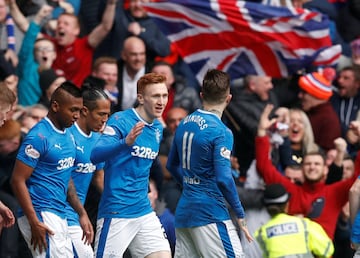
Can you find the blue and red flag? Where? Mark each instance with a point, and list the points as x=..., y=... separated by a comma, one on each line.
x=245, y=38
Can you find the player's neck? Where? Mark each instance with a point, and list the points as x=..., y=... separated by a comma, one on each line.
x=216, y=109
x=143, y=114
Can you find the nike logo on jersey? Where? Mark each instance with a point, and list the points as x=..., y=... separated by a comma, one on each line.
x=58, y=146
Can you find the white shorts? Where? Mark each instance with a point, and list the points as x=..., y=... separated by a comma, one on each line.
x=212, y=240
x=80, y=249
x=143, y=236
x=59, y=244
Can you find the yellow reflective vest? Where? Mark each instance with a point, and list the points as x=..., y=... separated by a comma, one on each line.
x=285, y=236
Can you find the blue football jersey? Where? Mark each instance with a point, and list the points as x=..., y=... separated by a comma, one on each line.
x=201, y=153
x=51, y=152
x=126, y=167
x=83, y=169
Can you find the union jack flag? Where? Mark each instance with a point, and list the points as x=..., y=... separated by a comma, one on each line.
x=245, y=38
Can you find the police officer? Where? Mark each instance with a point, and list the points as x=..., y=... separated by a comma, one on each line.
x=289, y=236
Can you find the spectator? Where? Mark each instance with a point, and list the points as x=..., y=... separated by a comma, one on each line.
x=8, y=42
x=7, y=101
x=243, y=115
x=33, y=114
x=284, y=235
x=106, y=68
x=313, y=199
x=74, y=55
x=133, y=22
x=180, y=95
x=170, y=190
x=131, y=67
x=315, y=95
x=34, y=56
x=301, y=135
x=346, y=100
x=342, y=237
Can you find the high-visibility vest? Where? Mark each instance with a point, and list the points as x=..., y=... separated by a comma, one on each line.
x=285, y=236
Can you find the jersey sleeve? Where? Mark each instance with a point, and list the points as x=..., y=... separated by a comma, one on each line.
x=173, y=163
x=109, y=144
x=32, y=148
x=224, y=179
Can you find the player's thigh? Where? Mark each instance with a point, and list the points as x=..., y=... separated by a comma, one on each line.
x=113, y=236
x=185, y=247
x=217, y=240
x=150, y=239
x=80, y=248
x=59, y=244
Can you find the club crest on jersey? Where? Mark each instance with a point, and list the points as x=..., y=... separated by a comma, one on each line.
x=31, y=152
x=157, y=135
x=224, y=152
x=109, y=130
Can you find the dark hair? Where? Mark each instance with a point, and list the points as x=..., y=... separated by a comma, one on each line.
x=216, y=86
x=91, y=94
x=275, y=209
x=68, y=87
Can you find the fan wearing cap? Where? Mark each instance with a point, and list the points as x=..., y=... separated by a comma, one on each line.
x=315, y=93
x=285, y=235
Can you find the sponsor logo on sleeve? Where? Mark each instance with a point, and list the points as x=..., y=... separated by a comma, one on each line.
x=31, y=152
x=224, y=152
x=109, y=130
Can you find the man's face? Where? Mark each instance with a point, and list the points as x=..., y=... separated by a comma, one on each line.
x=134, y=56
x=97, y=118
x=45, y=53
x=67, y=30
x=155, y=98
x=307, y=101
x=348, y=87
x=69, y=110
x=166, y=71
x=107, y=72
x=314, y=168
x=262, y=86
x=348, y=168
x=136, y=8
x=295, y=175
x=174, y=117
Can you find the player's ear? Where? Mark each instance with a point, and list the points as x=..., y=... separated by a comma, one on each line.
x=228, y=98
x=55, y=106
x=140, y=98
x=84, y=110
